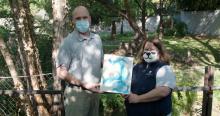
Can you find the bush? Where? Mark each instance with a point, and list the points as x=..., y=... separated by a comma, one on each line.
x=179, y=29
x=112, y=104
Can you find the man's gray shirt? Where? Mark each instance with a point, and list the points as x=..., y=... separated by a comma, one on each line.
x=82, y=56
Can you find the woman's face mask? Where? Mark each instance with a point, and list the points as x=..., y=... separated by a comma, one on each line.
x=150, y=56
x=82, y=25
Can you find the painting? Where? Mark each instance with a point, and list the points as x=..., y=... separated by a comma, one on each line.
x=116, y=74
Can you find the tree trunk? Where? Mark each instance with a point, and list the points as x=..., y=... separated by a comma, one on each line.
x=131, y=47
x=143, y=16
x=59, y=17
x=113, y=33
x=122, y=26
x=26, y=39
x=161, y=20
x=17, y=82
x=132, y=22
x=47, y=99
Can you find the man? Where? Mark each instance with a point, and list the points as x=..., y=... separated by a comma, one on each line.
x=79, y=64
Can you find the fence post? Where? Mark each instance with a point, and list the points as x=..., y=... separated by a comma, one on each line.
x=208, y=92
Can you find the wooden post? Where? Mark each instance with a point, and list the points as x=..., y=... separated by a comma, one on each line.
x=208, y=92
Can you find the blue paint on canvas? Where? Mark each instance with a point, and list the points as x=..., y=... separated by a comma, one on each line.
x=117, y=75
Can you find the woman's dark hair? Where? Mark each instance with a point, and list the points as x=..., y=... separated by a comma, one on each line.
x=164, y=56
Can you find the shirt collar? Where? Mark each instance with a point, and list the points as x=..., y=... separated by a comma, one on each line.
x=81, y=38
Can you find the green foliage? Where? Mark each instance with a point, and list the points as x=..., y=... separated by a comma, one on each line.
x=12, y=106
x=151, y=8
x=179, y=29
x=44, y=45
x=119, y=37
x=198, y=5
x=183, y=101
x=111, y=45
x=4, y=9
x=36, y=5
x=112, y=104
x=4, y=33
x=97, y=11
x=4, y=69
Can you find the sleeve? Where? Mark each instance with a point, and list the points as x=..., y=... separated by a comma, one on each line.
x=166, y=77
x=64, y=56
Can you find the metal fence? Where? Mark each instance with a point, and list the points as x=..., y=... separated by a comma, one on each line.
x=12, y=105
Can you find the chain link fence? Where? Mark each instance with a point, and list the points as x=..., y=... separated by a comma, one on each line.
x=12, y=105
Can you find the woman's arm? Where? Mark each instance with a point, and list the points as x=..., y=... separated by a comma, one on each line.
x=153, y=95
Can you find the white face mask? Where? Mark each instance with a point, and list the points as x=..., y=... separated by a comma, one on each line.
x=150, y=56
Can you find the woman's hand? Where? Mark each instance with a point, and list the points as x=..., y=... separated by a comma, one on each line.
x=125, y=96
x=133, y=98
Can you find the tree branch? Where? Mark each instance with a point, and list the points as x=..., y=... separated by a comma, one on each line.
x=138, y=3
x=132, y=22
x=113, y=8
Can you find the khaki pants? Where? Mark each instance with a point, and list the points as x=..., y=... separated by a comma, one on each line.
x=79, y=102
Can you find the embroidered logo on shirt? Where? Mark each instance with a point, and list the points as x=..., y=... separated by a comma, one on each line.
x=148, y=73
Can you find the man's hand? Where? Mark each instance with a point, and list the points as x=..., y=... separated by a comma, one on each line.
x=94, y=87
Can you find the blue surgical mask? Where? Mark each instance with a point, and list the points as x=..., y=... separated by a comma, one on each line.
x=82, y=25
x=150, y=56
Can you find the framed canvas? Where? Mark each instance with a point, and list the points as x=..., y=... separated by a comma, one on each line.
x=116, y=74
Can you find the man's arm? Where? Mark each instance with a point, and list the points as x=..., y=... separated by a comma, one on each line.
x=63, y=74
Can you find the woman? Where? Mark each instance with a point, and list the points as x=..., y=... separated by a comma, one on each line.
x=152, y=82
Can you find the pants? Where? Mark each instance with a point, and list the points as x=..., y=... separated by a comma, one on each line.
x=79, y=102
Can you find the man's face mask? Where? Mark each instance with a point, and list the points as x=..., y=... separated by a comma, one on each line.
x=150, y=56
x=82, y=25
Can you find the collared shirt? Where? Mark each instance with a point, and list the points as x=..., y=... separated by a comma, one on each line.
x=82, y=56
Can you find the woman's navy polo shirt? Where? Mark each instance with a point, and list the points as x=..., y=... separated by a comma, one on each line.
x=143, y=81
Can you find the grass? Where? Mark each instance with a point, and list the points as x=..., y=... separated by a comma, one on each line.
x=200, y=51
x=217, y=83
x=204, y=51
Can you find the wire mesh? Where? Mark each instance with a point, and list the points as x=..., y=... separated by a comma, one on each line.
x=12, y=106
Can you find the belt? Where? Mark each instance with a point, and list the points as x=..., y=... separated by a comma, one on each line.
x=78, y=86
